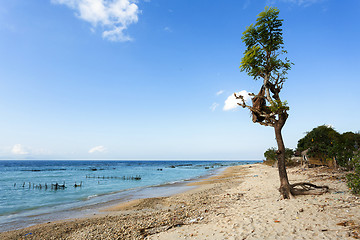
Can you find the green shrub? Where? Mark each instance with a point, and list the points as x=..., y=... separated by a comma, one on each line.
x=353, y=179
x=271, y=157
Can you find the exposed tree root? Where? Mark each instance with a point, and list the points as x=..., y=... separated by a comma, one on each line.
x=304, y=188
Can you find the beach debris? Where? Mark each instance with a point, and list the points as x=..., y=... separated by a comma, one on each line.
x=352, y=227
x=346, y=223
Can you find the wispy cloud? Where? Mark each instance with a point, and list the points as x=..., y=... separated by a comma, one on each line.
x=167, y=29
x=99, y=149
x=114, y=16
x=19, y=149
x=231, y=102
x=214, y=106
x=246, y=4
x=219, y=92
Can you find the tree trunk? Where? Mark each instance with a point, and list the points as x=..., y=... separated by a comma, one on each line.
x=284, y=182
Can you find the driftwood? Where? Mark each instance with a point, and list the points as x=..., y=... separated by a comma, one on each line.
x=307, y=189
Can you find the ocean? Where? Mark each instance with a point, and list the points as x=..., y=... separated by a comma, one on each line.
x=37, y=191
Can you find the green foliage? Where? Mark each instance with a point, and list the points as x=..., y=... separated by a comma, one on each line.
x=271, y=155
x=320, y=142
x=345, y=148
x=324, y=142
x=278, y=106
x=353, y=179
x=264, y=44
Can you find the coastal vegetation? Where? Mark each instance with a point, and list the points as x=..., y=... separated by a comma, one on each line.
x=271, y=156
x=353, y=179
x=327, y=144
x=263, y=60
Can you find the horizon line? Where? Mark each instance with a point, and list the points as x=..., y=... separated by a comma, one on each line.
x=83, y=159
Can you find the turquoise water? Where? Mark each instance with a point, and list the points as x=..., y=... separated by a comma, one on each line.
x=28, y=194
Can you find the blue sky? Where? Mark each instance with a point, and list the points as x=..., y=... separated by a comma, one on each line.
x=121, y=79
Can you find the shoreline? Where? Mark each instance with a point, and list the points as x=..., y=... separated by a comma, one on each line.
x=96, y=205
x=188, y=185
x=242, y=202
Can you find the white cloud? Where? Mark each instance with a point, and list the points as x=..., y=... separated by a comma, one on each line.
x=214, y=106
x=114, y=16
x=18, y=149
x=97, y=149
x=231, y=102
x=219, y=92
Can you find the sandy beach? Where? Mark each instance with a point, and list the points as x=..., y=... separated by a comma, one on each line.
x=241, y=203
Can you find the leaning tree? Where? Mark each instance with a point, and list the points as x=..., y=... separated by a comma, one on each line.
x=263, y=60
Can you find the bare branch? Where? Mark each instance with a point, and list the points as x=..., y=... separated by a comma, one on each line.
x=267, y=124
x=267, y=95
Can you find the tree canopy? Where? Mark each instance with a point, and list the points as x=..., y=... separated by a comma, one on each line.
x=320, y=141
x=264, y=44
x=263, y=60
x=325, y=142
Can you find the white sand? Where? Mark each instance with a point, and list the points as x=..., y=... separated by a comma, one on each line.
x=253, y=210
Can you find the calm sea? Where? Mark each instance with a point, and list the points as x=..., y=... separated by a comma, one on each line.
x=38, y=191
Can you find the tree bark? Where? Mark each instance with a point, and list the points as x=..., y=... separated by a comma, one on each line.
x=285, y=189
